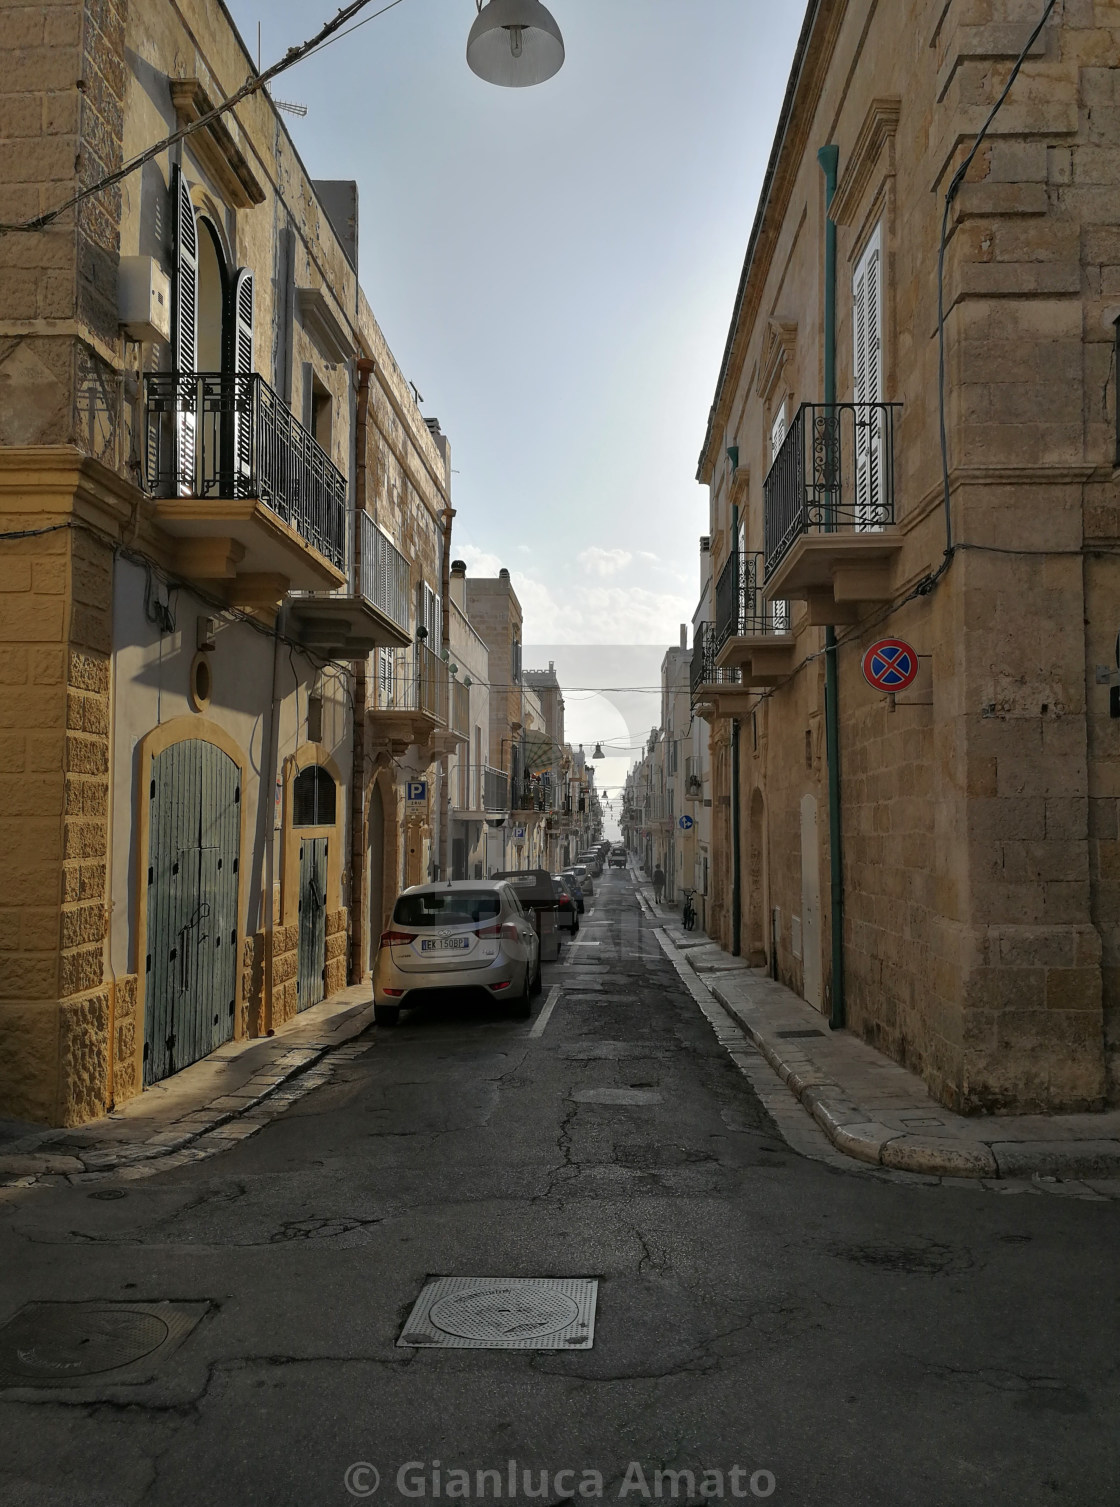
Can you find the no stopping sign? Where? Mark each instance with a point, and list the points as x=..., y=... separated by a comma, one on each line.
x=890, y=665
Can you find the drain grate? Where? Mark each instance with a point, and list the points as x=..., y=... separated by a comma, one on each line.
x=799, y=1035
x=504, y=1313
x=65, y=1344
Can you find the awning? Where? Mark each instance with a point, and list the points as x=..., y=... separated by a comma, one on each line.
x=541, y=753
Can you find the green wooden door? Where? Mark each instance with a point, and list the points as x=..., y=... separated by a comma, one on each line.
x=194, y=842
x=310, y=985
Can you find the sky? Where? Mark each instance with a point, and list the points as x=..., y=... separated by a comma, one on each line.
x=555, y=268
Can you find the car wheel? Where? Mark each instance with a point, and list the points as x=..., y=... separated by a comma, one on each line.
x=386, y=1015
x=538, y=983
x=575, y=926
x=522, y=1004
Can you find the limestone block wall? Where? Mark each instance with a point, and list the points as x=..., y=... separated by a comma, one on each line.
x=54, y=778
x=980, y=823
x=336, y=951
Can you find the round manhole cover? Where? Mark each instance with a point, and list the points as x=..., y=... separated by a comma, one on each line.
x=504, y=1313
x=47, y=1344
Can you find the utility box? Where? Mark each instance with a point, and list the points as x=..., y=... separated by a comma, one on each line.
x=144, y=298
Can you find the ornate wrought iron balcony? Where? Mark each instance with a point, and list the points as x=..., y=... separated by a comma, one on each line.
x=829, y=509
x=222, y=449
x=750, y=633
x=714, y=691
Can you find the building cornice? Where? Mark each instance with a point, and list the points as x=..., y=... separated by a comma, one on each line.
x=811, y=60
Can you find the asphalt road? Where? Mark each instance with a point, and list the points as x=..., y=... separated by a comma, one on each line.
x=838, y=1338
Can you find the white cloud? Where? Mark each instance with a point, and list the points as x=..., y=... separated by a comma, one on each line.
x=604, y=562
x=478, y=561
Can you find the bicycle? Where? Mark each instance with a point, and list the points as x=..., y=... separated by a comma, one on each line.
x=689, y=917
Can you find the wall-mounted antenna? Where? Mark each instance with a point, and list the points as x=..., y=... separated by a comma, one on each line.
x=281, y=104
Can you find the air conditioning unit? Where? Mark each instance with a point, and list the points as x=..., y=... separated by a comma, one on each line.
x=144, y=298
x=705, y=544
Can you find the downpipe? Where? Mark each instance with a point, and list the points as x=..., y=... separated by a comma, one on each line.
x=829, y=158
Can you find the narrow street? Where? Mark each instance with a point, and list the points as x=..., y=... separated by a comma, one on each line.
x=843, y=1338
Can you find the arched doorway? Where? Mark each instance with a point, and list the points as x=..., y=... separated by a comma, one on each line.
x=756, y=882
x=376, y=868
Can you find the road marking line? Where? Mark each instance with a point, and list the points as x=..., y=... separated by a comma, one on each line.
x=543, y=1018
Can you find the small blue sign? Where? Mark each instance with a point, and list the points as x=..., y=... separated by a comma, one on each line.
x=685, y=823
x=416, y=790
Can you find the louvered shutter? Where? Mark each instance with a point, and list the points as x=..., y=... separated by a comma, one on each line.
x=240, y=358
x=242, y=322
x=867, y=373
x=184, y=349
x=778, y=432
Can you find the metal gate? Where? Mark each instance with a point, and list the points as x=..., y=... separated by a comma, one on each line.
x=310, y=979
x=194, y=848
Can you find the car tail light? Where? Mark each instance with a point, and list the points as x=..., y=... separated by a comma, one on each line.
x=403, y=938
x=507, y=929
x=394, y=993
x=496, y=987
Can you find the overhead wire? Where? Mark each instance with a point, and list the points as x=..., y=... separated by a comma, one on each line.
x=251, y=86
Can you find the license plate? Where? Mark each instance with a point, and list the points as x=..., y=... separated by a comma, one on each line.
x=445, y=944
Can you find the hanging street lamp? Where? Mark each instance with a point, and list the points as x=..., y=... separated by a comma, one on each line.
x=514, y=43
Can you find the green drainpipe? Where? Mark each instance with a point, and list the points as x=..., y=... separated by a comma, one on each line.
x=736, y=856
x=829, y=157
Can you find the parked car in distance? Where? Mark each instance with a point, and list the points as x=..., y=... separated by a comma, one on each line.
x=617, y=860
x=582, y=876
x=567, y=911
x=575, y=889
x=593, y=863
x=460, y=934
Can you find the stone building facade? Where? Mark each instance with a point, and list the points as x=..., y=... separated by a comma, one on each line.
x=971, y=817
x=220, y=509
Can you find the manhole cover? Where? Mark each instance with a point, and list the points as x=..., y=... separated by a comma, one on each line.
x=617, y=1096
x=504, y=1313
x=58, y=1344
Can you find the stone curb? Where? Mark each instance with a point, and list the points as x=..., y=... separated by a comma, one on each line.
x=852, y=1130
x=200, y=1132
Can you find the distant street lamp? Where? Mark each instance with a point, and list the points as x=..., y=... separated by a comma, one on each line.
x=514, y=43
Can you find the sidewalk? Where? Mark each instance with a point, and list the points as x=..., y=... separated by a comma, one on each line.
x=872, y=1108
x=202, y=1109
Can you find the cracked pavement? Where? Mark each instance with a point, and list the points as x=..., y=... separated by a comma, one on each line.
x=871, y=1341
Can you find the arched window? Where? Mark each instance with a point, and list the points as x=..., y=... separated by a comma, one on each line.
x=313, y=798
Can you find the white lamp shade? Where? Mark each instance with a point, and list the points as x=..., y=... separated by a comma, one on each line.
x=514, y=43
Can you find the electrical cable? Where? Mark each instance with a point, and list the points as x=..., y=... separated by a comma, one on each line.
x=250, y=87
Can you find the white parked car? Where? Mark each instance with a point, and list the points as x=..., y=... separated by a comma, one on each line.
x=463, y=934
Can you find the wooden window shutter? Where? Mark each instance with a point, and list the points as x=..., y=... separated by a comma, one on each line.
x=185, y=339
x=867, y=375
x=240, y=323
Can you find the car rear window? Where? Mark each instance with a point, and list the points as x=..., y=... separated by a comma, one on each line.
x=446, y=908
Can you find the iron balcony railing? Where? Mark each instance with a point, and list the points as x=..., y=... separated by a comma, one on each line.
x=495, y=789
x=460, y=708
x=412, y=680
x=536, y=794
x=386, y=577
x=740, y=608
x=704, y=671
x=228, y=435
x=833, y=474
